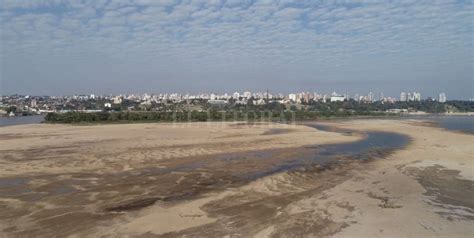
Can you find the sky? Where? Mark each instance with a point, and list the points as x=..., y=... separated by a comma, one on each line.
x=64, y=47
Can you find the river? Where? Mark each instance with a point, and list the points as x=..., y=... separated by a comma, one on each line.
x=21, y=120
x=453, y=123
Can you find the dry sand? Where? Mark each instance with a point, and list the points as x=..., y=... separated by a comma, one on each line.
x=44, y=148
x=59, y=180
x=426, y=190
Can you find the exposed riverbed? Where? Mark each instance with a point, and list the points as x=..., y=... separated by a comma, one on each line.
x=66, y=203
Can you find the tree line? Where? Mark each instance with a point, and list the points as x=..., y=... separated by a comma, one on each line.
x=195, y=116
x=272, y=111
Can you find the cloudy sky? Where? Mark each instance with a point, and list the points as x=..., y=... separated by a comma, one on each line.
x=129, y=46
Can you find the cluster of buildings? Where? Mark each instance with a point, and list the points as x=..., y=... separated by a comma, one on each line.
x=256, y=98
x=442, y=97
x=306, y=97
x=416, y=97
x=42, y=104
x=410, y=97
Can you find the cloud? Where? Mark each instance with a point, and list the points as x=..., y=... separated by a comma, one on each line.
x=182, y=39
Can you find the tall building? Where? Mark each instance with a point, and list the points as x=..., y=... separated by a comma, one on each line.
x=442, y=97
x=292, y=97
x=247, y=94
x=371, y=97
x=403, y=97
x=337, y=98
x=416, y=97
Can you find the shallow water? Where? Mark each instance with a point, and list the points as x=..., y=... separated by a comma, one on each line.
x=21, y=120
x=374, y=144
x=449, y=122
x=250, y=165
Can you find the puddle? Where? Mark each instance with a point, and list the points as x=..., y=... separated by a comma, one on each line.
x=375, y=144
x=7, y=183
x=276, y=131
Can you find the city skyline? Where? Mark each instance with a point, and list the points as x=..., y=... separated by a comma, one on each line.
x=65, y=47
x=19, y=104
x=435, y=94
x=292, y=96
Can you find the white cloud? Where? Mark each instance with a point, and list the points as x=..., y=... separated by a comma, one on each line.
x=210, y=34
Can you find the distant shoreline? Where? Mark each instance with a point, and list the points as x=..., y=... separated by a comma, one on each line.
x=330, y=118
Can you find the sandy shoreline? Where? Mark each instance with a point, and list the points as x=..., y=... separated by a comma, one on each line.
x=43, y=148
x=426, y=189
x=410, y=183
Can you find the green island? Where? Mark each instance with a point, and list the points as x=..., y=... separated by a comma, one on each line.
x=198, y=111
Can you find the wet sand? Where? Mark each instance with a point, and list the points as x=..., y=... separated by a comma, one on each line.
x=160, y=180
x=45, y=148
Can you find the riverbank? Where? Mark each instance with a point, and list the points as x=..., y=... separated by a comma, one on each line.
x=459, y=113
x=68, y=180
x=46, y=148
x=424, y=190
x=172, y=180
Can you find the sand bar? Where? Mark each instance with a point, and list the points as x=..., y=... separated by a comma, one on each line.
x=129, y=180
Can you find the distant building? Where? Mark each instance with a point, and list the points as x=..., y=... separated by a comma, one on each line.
x=410, y=97
x=337, y=98
x=397, y=110
x=217, y=102
x=259, y=102
x=117, y=100
x=371, y=97
x=442, y=97
x=416, y=97
x=247, y=94
x=107, y=105
x=292, y=97
x=403, y=97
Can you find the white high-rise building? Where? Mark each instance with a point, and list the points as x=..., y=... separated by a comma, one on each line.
x=442, y=97
x=403, y=97
x=236, y=95
x=416, y=97
x=247, y=94
x=337, y=98
x=117, y=100
x=371, y=97
x=292, y=97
